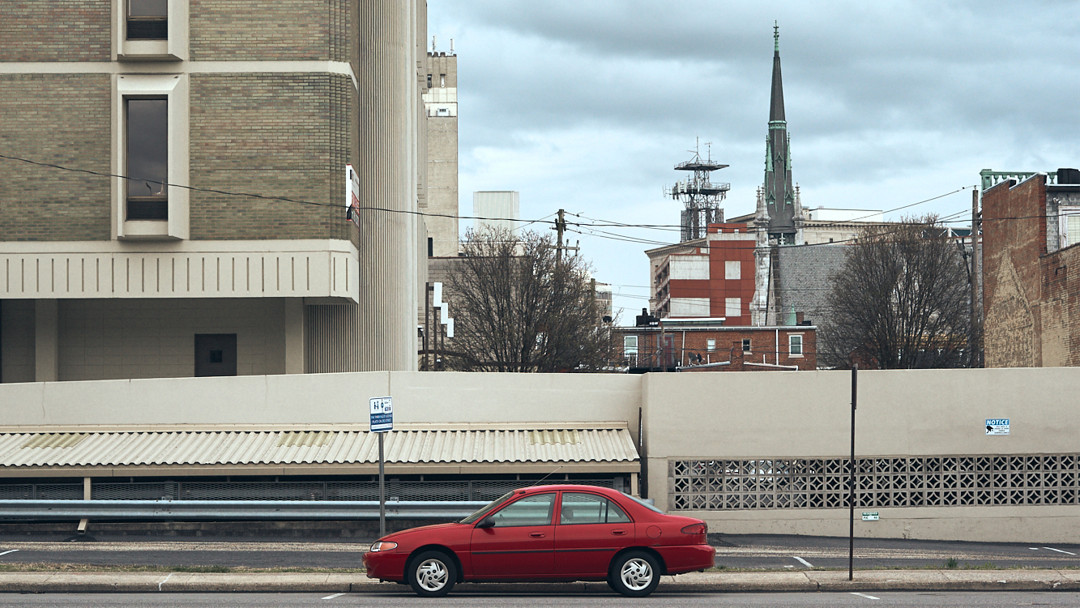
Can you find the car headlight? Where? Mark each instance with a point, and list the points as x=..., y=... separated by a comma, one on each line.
x=382, y=545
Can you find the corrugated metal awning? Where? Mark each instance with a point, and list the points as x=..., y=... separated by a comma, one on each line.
x=106, y=448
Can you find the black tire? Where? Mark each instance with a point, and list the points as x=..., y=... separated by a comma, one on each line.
x=634, y=574
x=431, y=574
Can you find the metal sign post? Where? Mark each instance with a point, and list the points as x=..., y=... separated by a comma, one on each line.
x=382, y=420
x=851, y=483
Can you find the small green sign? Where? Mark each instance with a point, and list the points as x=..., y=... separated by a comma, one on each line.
x=870, y=516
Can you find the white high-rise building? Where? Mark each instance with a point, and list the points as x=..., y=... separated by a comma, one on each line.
x=496, y=208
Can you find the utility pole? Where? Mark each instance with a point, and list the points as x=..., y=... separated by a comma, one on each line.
x=560, y=228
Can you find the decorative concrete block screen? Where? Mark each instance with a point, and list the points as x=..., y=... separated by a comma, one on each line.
x=930, y=481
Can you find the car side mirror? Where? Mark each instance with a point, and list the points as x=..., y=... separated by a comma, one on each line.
x=487, y=522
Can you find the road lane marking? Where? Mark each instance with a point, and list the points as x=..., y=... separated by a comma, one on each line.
x=1047, y=548
x=11, y=551
x=164, y=580
x=333, y=597
x=869, y=597
x=802, y=561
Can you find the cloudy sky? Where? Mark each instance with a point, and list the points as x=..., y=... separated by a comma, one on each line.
x=588, y=105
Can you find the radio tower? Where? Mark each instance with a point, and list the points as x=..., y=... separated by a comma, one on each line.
x=700, y=196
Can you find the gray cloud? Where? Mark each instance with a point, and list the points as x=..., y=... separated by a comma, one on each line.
x=588, y=105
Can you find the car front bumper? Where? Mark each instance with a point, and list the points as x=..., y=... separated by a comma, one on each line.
x=385, y=565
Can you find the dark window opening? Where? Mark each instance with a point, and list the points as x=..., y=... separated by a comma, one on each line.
x=430, y=247
x=746, y=345
x=148, y=20
x=147, y=158
x=215, y=355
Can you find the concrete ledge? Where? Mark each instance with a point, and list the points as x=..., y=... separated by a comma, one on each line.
x=707, y=582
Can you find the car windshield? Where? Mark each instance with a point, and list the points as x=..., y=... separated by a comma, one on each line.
x=642, y=503
x=478, y=515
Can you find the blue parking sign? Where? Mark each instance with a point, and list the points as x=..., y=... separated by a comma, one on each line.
x=382, y=414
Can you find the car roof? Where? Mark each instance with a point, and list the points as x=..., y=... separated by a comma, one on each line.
x=566, y=486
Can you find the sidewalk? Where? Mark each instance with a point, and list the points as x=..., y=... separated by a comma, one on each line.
x=700, y=582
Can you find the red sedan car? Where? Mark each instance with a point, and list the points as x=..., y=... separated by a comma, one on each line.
x=547, y=533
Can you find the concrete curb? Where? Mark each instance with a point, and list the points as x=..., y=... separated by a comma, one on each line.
x=706, y=582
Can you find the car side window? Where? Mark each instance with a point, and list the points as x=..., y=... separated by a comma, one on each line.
x=582, y=508
x=529, y=511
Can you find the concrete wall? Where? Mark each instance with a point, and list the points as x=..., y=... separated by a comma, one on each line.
x=900, y=413
x=102, y=339
x=419, y=398
x=800, y=415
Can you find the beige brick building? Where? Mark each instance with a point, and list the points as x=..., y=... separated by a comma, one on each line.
x=441, y=106
x=174, y=189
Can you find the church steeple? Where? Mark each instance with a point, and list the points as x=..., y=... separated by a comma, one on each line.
x=776, y=105
x=780, y=200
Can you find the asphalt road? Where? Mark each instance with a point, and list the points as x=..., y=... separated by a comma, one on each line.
x=767, y=552
x=759, y=552
x=999, y=599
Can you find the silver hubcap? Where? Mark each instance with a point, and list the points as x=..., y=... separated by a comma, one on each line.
x=431, y=575
x=636, y=574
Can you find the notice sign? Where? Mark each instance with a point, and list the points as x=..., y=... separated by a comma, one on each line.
x=997, y=426
x=870, y=516
x=382, y=414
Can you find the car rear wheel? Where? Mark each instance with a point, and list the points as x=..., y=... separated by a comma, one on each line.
x=635, y=574
x=432, y=574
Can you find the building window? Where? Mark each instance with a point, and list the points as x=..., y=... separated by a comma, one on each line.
x=429, y=81
x=733, y=307
x=630, y=346
x=795, y=345
x=147, y=154
x=150, y=146
x=710, y=345
x=442, y=80
x=746, y=345
x=215, y=355
x=732, y=269
x=1069, y=225
x=147, y=19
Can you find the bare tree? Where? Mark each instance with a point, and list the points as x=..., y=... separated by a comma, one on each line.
x=520, y=309
x=900, y=300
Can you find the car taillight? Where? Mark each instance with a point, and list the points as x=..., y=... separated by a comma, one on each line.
x=382, y=545
x=695, y=529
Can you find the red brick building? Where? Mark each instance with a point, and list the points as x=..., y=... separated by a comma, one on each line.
x=1031, y=300
x=710, y=278
x=707, y=345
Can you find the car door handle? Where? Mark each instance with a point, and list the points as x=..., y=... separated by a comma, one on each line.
x=619, y=532
x=536, y=534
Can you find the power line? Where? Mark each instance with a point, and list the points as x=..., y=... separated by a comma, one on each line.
x=594, y=228
x=283, y=199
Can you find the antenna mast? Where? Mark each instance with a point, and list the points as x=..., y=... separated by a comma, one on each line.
x=701, y=197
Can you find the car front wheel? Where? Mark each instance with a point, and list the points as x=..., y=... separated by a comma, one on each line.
x=432, y=574
x=635, y=574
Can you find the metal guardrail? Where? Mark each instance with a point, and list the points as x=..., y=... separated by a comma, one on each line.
x=174, y=510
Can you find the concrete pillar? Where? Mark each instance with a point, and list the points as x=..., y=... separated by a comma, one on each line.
x=294, y=336
x=46, y=341
x=389, y=249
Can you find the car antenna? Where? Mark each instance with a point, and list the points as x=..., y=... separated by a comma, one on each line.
x=537, y=482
